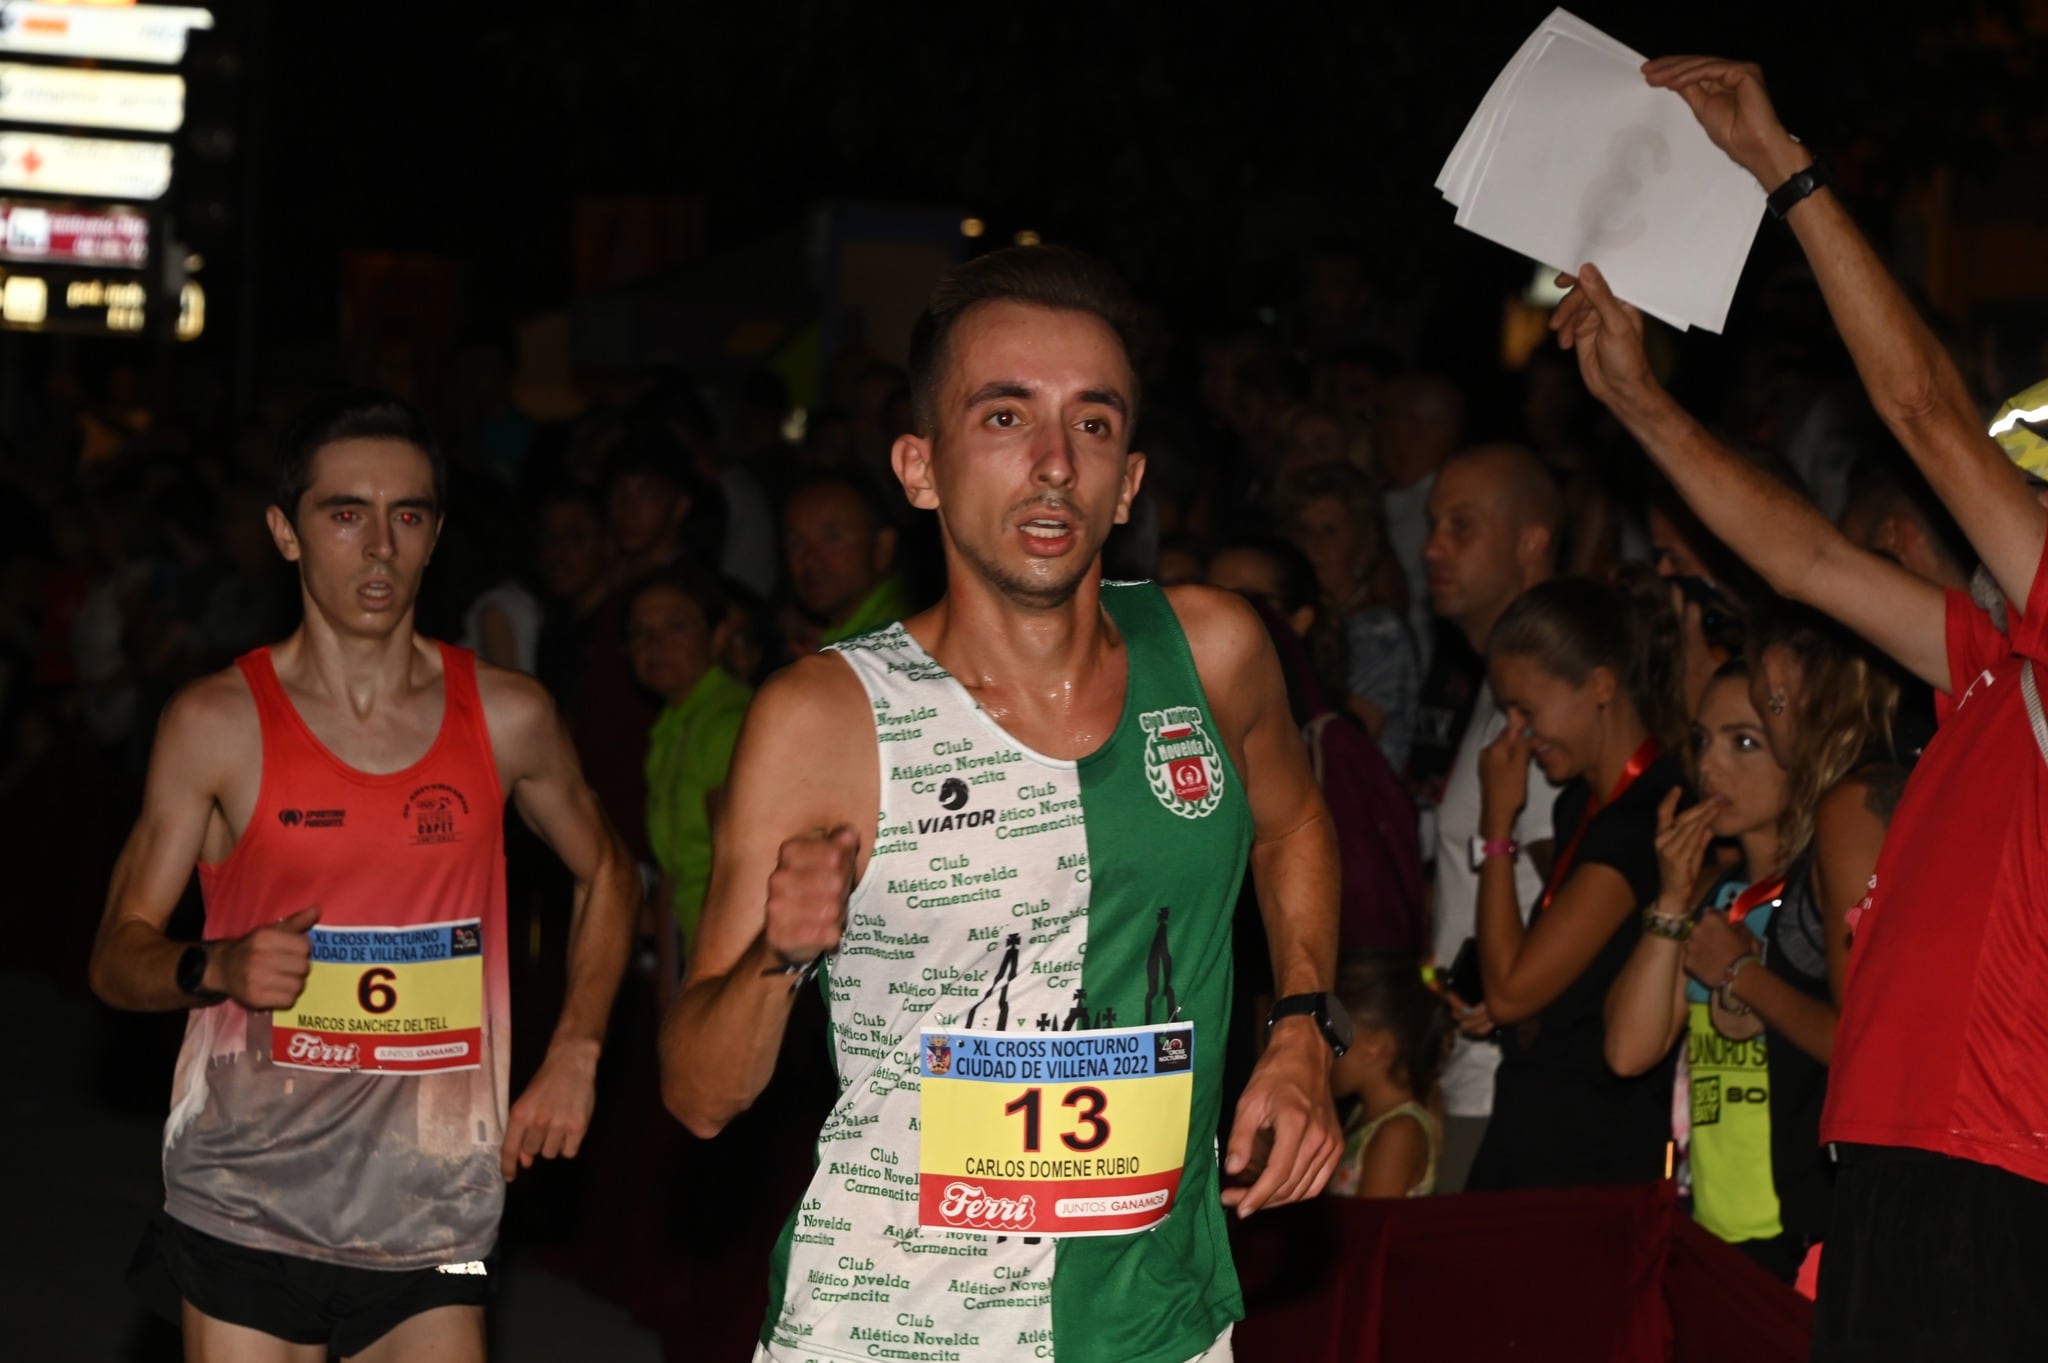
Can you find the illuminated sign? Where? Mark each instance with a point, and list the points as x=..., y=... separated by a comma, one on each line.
x=97, y=304
x=25, y=300
x=121, y=302
x=67, y=234
x=106, y=167
x=137, y=33
x=91, y=99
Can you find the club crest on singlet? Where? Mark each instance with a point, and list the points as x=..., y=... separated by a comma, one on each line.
x=1181, y=760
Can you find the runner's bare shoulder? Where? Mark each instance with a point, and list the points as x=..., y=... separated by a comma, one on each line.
x=811, y=732
x=517, y=709
x=1224, y=633
x=208, y=736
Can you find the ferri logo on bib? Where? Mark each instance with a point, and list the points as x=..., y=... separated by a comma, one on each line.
x=1181, y=761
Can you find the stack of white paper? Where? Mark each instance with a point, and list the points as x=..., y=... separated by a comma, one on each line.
x=1572, y=157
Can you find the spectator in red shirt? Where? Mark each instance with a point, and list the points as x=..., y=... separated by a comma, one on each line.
x=1938, y=1097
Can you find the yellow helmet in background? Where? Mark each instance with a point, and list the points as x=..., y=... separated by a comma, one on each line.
x=2021, y=429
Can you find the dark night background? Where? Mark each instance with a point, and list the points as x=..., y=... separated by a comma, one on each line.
x=1202, y=146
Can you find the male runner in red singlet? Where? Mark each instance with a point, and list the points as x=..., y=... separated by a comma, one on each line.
x=339, y=1137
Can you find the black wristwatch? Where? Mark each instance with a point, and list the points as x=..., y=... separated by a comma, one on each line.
x=191, y=976
x=1328, y=1011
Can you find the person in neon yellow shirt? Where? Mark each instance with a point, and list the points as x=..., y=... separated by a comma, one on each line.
x=1743, y=795
x=676, y=626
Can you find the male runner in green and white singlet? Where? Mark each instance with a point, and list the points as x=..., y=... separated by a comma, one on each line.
x=1013, y=828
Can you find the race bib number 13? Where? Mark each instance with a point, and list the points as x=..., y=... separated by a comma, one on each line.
x=1053, y=1133
x=388, y=1000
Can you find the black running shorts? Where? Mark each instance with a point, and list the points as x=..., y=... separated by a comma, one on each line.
x=1931, y=1258
x=303, y=1301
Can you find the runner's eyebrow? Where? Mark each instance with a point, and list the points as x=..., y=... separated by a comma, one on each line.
x=347, y=499
x=1013, y=388
x=1001, y=388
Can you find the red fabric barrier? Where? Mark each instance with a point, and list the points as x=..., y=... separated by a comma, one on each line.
x=1581, y=1275
x=1723, y=1306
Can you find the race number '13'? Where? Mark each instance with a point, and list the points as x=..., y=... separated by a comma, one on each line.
x=1053, y=1133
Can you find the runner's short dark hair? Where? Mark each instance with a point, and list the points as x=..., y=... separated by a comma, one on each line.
x=354, y=414
x=1056, y=277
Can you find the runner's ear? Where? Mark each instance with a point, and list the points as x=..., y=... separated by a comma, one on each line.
x=1134, y=477
x=282, y=533
x=911, y=457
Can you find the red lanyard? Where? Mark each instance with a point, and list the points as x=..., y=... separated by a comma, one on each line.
x=1559, y=869
x=1763, y=892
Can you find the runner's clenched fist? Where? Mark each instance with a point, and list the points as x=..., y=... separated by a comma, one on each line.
x=267, y=968
x=807, y=893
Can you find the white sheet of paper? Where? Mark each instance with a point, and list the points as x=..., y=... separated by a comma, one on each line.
x=1474, y=143
x=1487, y=125
x=1455, y=178
x=1584, y=161
x=1482, y=154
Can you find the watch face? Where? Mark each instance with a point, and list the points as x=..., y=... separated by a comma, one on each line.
x=192, y=969
x=1339, y=1020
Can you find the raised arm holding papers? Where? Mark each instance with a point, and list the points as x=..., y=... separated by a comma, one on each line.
x=1571, y=157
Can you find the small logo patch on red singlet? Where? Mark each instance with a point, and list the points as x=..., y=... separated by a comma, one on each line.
x=436, y=812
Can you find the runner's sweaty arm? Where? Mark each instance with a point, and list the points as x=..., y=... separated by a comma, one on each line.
x=1294, y=870
x=200, y=793
x=795, y=831
x=538, y=768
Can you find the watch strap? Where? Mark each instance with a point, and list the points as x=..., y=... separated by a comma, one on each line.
x=1296, y=1005
x=1798, y=188
x=1315, y=1006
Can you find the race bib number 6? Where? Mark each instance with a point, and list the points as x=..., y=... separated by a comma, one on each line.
x=388, y=1001
x=1053, y=1133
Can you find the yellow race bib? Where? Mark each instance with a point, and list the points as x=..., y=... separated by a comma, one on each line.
x=1053, y=1133
x=388, y=1001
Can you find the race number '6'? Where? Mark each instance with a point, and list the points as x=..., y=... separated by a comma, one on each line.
x=374, y=991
